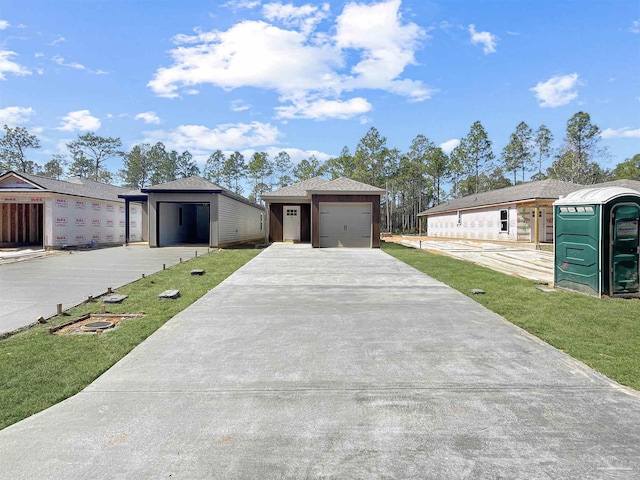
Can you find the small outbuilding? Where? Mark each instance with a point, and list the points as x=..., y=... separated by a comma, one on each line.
x=327, y=213
x=194, y=210
x=42, y=212
x=596, y=241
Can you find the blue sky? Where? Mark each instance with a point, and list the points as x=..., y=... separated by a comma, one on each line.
x=312, y=77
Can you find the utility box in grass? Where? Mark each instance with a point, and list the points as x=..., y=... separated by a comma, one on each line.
x=596, y=248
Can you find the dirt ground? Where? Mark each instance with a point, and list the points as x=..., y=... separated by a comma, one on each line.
x=520, y=259
x=74, y=327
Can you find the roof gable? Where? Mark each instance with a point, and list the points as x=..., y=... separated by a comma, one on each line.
x=346, y=185
x=319, y=185
x=79, y=187
x=297, y=189
x=12, y=180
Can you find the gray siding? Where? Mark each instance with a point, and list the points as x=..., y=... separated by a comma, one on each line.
x=238, y=222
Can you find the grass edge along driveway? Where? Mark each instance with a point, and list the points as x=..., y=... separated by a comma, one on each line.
x=38, y=369
x=602, y=333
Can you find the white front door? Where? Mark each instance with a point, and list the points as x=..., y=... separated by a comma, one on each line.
x=542, y=225
x=290, y=223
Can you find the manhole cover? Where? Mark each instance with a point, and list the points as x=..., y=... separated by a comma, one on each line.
x=97, y=326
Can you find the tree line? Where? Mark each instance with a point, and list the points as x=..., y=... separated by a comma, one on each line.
x=416, y=179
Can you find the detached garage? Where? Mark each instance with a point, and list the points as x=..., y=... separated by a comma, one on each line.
x=327, y=213
x=194, y=210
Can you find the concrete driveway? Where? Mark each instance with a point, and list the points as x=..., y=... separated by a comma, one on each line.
x=335, y=363
x=32, y=288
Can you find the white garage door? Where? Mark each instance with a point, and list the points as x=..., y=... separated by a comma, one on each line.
x=345, y=225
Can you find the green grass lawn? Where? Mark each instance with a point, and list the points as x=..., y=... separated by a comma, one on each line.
x=603, y=333
x=38, y=369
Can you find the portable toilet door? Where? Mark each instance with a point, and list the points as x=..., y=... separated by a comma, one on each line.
x=624, y=248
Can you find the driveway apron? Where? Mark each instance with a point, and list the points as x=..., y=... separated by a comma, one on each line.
x=335, y=363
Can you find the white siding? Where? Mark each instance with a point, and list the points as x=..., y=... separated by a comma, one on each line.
x=480, y=224
x=237, y=221
x=80, y=220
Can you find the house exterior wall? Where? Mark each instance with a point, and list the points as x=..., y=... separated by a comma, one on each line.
x=81, y=221
x=375, y=214
x=239, y=222
x=76, y=221
x=478, y=224
x=484, y=223
x=275, y=221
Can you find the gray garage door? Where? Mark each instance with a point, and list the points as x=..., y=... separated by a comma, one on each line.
x=345, y=225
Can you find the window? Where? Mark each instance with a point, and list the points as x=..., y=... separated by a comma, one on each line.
x=504, y=220
x=459, y=218
x=292, y=212
x=262, y=222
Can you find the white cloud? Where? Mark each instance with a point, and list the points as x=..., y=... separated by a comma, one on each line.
x=636, y=26
x=38, y=55
x=557, y=91
x=198, y=138
x=60, y=61
x=80, y=120
x=624, y=132
x=249, y=54
x=322, y=109
x=239, y=106
x=305, y=17
x=448, y=146
x=59, y=39
x=297, y=61
x=386, y=47
x=15, y=115
x=486, y=39
x=148, y=117
x=239, y=4
x=9, y=66
x=4, y=25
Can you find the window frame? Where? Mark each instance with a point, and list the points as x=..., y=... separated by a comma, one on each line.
x=504, y=223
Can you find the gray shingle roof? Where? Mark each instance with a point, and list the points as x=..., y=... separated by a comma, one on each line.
x=322, y=185
x=542, y=189
x=346, y=185
x=632, y=184
x=297, y=189
x=185, y=184
x=79, y=187
x=195, y=184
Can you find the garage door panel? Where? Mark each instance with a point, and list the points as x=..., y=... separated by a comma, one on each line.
x=345, y=225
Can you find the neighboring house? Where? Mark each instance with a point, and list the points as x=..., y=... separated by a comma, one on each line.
x=327, y=213
x=632, y=184
x=194, y=210
x=521, y=213
x=42, y=212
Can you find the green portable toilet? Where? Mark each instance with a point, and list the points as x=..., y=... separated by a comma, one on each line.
x=596, y=247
